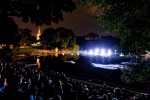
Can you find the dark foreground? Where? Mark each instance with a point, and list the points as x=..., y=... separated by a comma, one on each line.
x=22, y=82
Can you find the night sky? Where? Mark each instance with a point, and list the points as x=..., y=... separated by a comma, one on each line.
x=78, y=21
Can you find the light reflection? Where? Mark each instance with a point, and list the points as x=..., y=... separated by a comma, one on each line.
x=90, y=52
x=121, y=54
x=56, y=54
x=102, y=53
x=38, y=62
x=63, y=54
x=109, y=53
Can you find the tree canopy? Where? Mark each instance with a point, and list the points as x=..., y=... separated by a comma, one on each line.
x=49, y=38
x=130, y=19
x=66, y=37
x=37, y=11
x=60, y=38
x=8, y=32
x=26, y=37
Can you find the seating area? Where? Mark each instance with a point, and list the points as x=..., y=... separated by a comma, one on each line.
x=23, y=82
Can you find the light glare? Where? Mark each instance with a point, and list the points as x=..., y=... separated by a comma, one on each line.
x=102, y=52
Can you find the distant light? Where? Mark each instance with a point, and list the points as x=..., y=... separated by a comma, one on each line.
x=90, y=52
x=96, y=50
x=63, y=54
x=109, y=53
x=78, y=53
x=102, y=52
x=121, y=54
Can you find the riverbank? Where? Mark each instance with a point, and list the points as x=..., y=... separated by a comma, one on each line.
x=80, y=67
x=38, y=52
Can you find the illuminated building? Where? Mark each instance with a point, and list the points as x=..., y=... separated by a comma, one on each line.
x=38, y=34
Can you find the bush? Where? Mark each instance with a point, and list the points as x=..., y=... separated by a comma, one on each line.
x=139, y=73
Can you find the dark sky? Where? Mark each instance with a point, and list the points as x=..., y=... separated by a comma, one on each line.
x=78, y=21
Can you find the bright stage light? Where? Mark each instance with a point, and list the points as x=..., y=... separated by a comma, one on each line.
x=102, y=52
x=90, y=52
x=96, y=51
x=109, y=53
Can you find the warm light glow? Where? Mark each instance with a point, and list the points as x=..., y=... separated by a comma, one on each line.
x=38, y=34
x=56, y=49
x=78, y=53
x=38, y=62
x=56, y=54
x=63, y=54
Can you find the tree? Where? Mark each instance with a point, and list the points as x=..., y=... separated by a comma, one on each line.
x=135, y=74
x=8, y=32
x=37, y=11
x=49, y=38
x=66, y=37
x=61, y=38
x=26, y=37
x=129, y=19
x=72, y=40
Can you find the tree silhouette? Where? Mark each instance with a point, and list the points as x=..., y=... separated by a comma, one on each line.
x=8, y=32
x=129, y=19
x=37, y=11
x=49, y=38
x=26, y=37
x=66, y=37
x=61, y=38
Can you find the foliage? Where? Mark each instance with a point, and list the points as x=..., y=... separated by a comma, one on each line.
x=37, y=11
x=139, y=73
x=8, y=32
x=26, y=37
x=49, y=38
x=76, y=47
x=66, y=37
x=83, y=3
x=60, y=38
x=63, y=37
x=129, y=19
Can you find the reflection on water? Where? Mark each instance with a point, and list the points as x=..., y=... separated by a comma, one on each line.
x=82, y=67
x=38, y=62
x=56, y=55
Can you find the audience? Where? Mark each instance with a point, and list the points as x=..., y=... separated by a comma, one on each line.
x=23, y=82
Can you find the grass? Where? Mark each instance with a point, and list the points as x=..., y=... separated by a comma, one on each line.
x=24, y=51
x=99, y=84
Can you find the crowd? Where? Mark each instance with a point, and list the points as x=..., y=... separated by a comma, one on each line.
x=23, y=82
